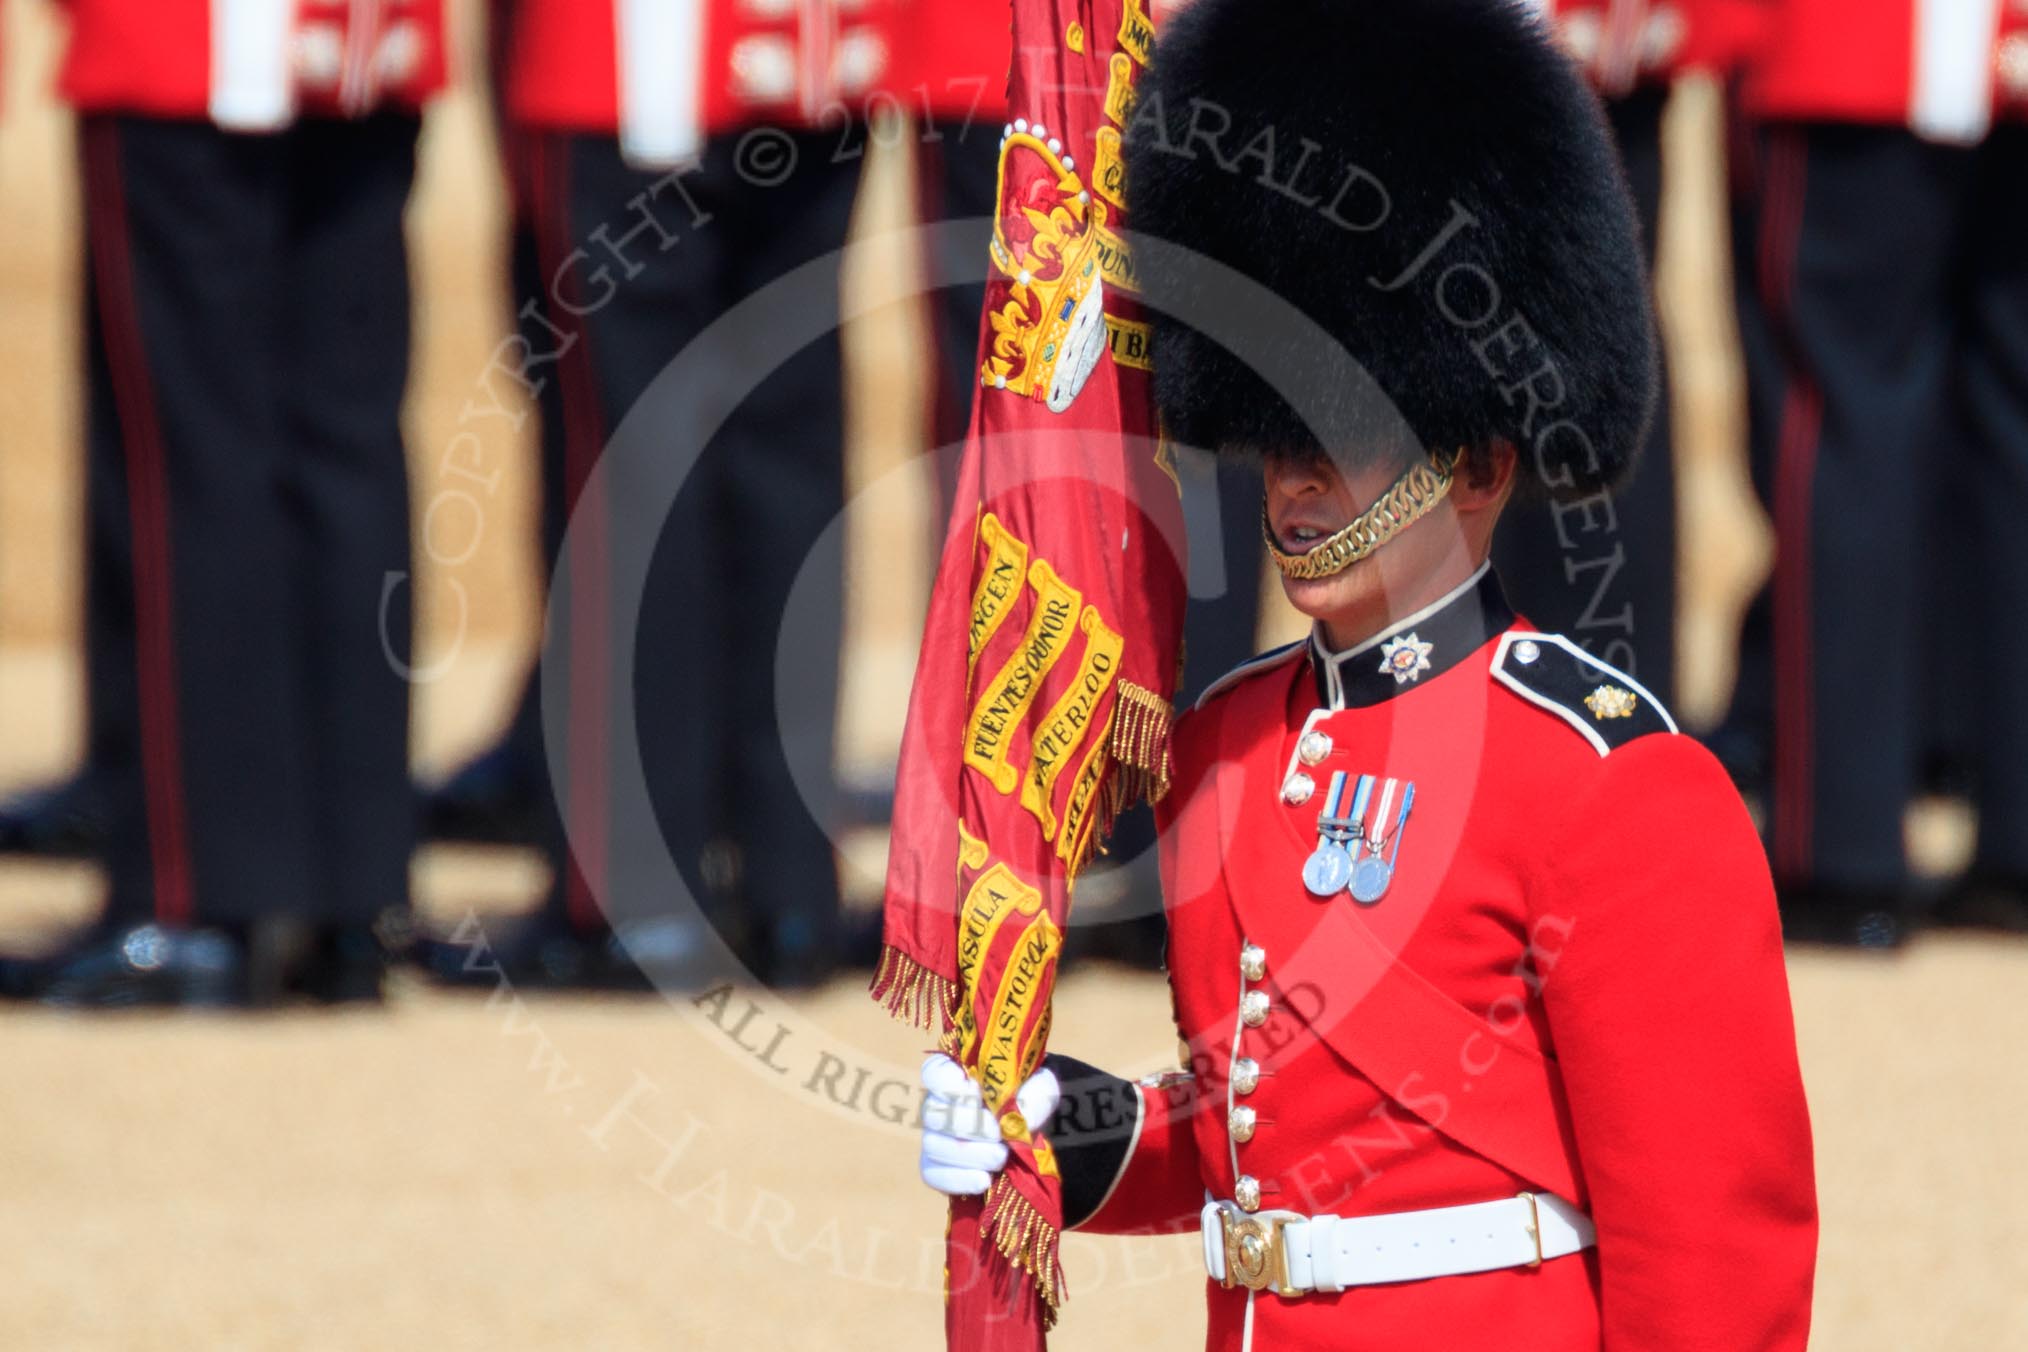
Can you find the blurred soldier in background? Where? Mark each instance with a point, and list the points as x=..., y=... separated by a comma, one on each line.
x=245, y=169
x=66, y=817
x=663, y=174
x=950, y=78
x=1892, y=263
x=1603, y=570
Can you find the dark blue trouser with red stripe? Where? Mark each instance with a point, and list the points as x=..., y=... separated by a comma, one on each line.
x=619, y=270
x=1891, y=448
x=248, y=322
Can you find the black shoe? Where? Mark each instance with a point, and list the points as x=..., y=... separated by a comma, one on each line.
x=147, y=966
x=544, y=953
x=290, y=957
x=1837, y=917
x=495, y=798
x=63, y=820
x=667, y=953
x=800, y=969
x=341, y=965
x=798, y=950
x=22, y=978
x=1985, y=901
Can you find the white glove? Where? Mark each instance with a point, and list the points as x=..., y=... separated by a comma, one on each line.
x=961, y=1143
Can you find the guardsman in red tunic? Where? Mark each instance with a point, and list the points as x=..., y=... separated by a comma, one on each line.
x=1892, y=172
x=245, y=168
x=669, y=161
x=1474, y=955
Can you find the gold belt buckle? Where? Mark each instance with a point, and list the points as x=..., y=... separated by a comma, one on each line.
x=1256, y=1256
x=1534, y=1226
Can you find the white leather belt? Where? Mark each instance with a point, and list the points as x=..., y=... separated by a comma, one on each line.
x=1292, y=1255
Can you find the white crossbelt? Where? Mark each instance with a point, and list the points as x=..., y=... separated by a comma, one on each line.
x=1292, y=1254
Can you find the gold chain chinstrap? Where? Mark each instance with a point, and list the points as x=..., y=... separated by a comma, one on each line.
x=1408, y=499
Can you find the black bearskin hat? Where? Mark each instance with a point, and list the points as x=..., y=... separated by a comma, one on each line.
x=1431, y=184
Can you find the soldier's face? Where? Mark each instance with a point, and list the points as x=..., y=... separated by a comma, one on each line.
x=1309, y=500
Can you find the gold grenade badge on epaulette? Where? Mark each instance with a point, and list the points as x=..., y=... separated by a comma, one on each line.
x=1611, y=701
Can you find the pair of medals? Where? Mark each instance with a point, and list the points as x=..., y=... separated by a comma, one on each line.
x=1357, y=847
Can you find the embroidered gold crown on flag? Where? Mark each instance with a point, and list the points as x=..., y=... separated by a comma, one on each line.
x=1049, y=332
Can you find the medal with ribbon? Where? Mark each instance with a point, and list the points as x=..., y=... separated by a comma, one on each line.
x=1353, y=850
x=1330, y=866
x=1378, y=845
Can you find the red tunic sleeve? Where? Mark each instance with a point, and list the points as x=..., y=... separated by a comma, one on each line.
x=1144, y=1175
x=1136, y=1171
x=1656, y=938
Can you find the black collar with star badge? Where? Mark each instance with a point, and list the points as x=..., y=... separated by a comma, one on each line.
x=1413, y=649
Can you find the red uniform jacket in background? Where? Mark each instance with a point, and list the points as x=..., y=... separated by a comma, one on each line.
x=1574, y=984
x=1945, y=70
x=665, y=75
x=1041, y=697
x=249, y=64
x=953, y=60
x=1622, y=44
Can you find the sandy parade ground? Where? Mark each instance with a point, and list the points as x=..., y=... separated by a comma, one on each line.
x=487, y=1172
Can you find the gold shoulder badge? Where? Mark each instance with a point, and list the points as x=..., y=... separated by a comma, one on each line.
x=1046, y=310
x=1611, y=701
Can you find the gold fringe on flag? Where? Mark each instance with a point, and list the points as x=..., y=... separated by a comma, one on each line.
x=1137, y=750
x=1027, y=1241
x=912, y=992
x=1140, y=745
